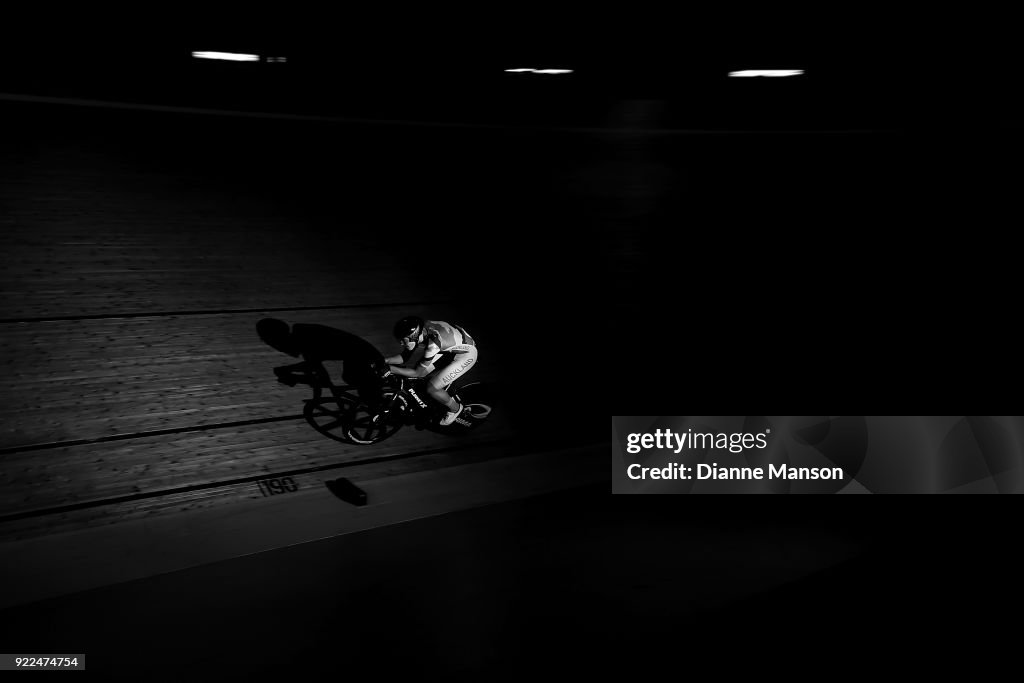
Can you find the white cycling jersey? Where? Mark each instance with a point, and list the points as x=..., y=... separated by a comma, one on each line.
x=439, y=337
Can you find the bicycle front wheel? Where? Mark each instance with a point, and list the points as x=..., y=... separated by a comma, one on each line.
x=366, y=426
x=330, y=416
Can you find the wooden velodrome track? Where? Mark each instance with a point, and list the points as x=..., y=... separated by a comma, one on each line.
x=139, y=251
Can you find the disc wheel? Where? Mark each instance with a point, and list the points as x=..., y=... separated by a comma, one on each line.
x=476, y=398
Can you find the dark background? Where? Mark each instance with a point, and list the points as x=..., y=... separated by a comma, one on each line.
x=839, y=243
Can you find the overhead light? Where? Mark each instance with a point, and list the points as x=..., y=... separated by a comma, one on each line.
x=540, y=71
x=766, y=72
x=229, y=56
x=277, y=59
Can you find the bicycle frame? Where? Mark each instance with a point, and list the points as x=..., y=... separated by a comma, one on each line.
x=402, y=401
x=406, y=388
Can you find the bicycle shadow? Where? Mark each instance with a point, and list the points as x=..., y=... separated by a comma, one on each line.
x=332, y=405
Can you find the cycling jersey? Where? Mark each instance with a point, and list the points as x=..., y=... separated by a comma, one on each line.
x=442, y=340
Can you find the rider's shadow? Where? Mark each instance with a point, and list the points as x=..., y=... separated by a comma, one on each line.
x=332, y=405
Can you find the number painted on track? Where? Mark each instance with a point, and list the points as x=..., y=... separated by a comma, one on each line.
x=277, y=485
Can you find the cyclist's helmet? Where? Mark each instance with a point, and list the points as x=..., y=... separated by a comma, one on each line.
x=407, y=326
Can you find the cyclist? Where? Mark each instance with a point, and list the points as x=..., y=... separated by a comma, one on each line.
x=435, y=349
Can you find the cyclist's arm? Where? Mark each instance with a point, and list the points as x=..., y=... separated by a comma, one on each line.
x=405, y=358
x=418, y=371
x=420, y=363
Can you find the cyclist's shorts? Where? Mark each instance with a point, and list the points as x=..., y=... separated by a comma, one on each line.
x=462, y=361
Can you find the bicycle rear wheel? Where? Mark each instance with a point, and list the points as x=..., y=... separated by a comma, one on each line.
x=476, y=398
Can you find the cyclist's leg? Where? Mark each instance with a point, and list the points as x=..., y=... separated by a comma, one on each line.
x=440, y=380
